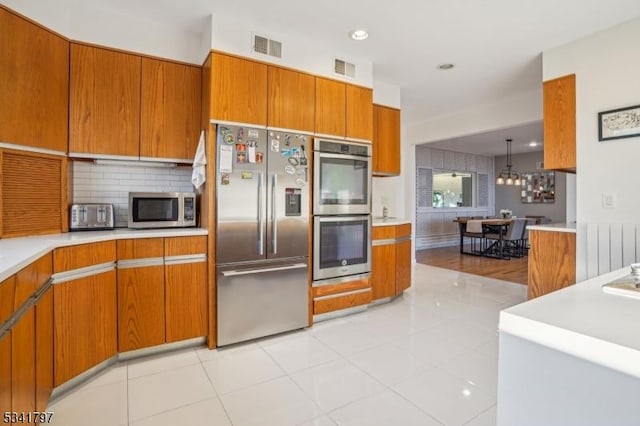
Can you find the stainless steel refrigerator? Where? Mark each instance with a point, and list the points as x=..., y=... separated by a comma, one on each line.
x=262, y=193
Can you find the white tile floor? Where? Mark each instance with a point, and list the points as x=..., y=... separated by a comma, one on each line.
x=428, y=358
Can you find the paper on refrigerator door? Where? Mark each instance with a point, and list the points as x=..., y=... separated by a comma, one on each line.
x=251, y=150
x=226, y=158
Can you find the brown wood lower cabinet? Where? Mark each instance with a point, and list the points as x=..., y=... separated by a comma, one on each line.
x=552, y=261
x=141, y=316
x=85, y=324
x=5, y=373
x=341, y=301
x=341, y=295
x=186, y=300
x=403, y=265
x=44, y=350
x=383, y=272
x=390, y=260
x=23, y=358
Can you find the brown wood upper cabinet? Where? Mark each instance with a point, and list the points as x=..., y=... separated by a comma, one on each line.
x=386, y=141
x=359, y=109
x=291, y=99
x=238, y=90
x=343, y=110
x=331, y=107
x=170, y=109
x=127, y=105
x=559, y=99
x=20, y=214
x=104, y=116
x=34, y=64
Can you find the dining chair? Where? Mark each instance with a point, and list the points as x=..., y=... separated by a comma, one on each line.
x=475, y=237
x=510, y=240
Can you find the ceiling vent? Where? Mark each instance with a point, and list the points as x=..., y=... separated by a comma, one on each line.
x=344, y=68
x=266, y=46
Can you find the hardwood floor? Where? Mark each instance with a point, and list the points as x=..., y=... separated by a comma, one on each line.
x=514, y=270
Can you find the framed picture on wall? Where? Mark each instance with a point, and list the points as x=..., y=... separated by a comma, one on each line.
x=619, y=123
x=538, y=187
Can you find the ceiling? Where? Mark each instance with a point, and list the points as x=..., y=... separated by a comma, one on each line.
x=493, y=143
x=495, y=45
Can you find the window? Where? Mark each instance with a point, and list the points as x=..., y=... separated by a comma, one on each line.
x=452, y=189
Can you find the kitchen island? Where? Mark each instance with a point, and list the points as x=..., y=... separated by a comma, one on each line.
x=571, y=357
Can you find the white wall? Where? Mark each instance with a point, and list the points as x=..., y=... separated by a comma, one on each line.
x=52, y=14
x=101, y=24
x=111, y=184
x=607, y=66
x=386, y=94
x=509, y=112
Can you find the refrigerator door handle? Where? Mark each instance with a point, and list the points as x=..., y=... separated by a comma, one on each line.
x=263, y=270
x=260, y=217
x=274, y=218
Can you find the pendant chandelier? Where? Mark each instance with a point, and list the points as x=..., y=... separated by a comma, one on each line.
x=508, y=176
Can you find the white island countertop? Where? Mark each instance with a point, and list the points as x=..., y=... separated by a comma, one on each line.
x=554, y=227
x=389, y=221
x=582, y=321
x=16, y=253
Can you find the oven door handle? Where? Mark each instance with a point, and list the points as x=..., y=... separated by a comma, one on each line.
x=260, y=216
x=345, y=157
x=274, y=219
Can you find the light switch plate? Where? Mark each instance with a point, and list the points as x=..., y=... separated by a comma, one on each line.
x=609, y=201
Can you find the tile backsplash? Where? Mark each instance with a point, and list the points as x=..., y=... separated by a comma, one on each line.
x=95, y=183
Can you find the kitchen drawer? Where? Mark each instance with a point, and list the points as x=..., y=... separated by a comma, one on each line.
x=181, y=246
x=403, y=230
x=330, y=289
x=140, y=248
x=341, y=301
x=76, y=257
x=383, y=232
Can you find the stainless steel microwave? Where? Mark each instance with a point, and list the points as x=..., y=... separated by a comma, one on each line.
x=162, y=209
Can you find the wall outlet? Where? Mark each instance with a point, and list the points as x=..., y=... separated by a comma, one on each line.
x=609, y=201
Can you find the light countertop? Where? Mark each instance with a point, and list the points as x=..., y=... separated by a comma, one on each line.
x=582, y=321
x=554, y=227
x=390, y=221
x=16, y=253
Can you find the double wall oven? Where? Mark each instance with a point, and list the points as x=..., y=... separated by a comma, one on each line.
x=341, y=209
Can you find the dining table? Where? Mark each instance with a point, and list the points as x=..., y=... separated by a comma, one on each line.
x=479, y=227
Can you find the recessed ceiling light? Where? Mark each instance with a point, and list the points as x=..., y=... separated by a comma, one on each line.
x=445, y=66
x=533, y=143
x=358, y=35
